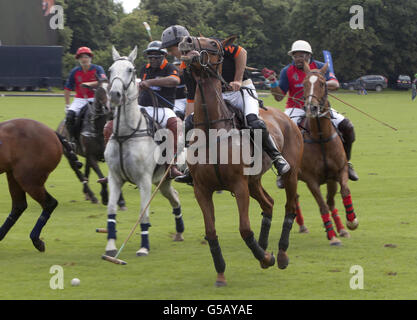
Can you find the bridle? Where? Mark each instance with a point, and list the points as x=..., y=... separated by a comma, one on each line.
x=136, y=132
x=322, y=108
x=323, y=111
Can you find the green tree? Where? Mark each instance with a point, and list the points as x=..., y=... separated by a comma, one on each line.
x=91, y=22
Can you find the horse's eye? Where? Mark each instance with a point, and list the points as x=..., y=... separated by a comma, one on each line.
x=213, y=43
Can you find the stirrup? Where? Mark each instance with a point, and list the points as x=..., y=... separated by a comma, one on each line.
x=281, y=165
x=352, y=173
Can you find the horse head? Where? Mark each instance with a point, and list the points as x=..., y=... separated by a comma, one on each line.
x=122, y=78
x=315, y=92
x=204, y=54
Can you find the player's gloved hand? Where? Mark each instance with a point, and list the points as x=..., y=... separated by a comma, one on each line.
x=269, y=74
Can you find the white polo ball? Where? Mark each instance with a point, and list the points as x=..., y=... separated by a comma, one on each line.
x=75, y=282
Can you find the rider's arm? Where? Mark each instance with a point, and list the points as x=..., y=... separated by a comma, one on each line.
x=240, y=65
x=67, y=95
x=279, y=87
x=69, y=86
x=332, y=85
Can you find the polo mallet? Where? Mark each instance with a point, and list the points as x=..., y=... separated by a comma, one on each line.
x=115, y=259
x=148, y=30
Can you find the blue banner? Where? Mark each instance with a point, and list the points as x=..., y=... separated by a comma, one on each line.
x=328, y=58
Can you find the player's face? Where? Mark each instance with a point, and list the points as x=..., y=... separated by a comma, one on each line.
x=155, y=59
x=299, y=57
x=84, y=60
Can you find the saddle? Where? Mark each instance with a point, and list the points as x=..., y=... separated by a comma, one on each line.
x=238, y=116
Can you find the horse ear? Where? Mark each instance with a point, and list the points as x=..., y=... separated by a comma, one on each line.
x=306, y=67
x=115, y=53
x=229, y=41
x=133, y=54
x=323, y=70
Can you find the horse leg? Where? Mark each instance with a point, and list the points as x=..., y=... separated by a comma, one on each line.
x=352, y=222
x=331, y=191
x=145, y=188
x=122, y=203
x=300, y=218
x=89, y=195
x=242, y=198
x=290, y=183
x=48, y=204
x=324, y=212
x=92, y=162
x=19, y=205
x=115, y=186
x=266, y=203
x=172, y=195
x=205, y=200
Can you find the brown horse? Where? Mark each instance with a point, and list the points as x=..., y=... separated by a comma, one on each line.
x=324, y=159
x=29, y=152
x=204, y=57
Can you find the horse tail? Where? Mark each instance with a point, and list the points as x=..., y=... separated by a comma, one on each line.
x=71, y=156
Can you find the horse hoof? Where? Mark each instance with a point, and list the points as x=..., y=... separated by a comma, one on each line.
x=142, y=252
x=111, y=253
x=220, y=284
x=335, y=242
x=122, y=208
x=283, y=259
x=178, y=237
x=344, y=234
x=102, y=180
x=268, y=261
x=352, y=225
x=39, y=244
x=303, y=229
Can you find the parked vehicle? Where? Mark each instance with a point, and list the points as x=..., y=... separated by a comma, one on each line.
x=370, y=82
x=403, y=82
x=30, y=67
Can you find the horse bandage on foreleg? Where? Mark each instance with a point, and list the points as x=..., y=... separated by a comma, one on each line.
x=350, y=212
x=111, y=226
x=264, y=234
x=179, y=223
x=337, y=220
x=216, y=253
x=299, y=218
x=257, y=251
x=286, y=229
x=328, y=226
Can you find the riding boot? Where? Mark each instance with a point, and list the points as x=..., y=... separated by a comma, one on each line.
x=174, y=124
x=348, y=134
x=268, y=144
x=70, y=124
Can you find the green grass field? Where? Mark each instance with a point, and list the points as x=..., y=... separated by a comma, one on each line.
x=384, y=200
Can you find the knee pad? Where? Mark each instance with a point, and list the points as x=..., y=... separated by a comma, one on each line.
x=70, y=118
x=347, y=130
x=254, y=122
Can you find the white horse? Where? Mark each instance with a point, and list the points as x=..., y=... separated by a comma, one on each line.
x=130, y=154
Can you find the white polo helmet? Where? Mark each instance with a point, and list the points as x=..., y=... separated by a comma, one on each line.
x=300, y=45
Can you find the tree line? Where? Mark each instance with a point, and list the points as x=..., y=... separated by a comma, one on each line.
x=385, y=45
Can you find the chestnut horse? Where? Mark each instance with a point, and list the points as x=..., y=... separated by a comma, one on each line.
x=29, y=152
x=204, y=57
x=324, y=159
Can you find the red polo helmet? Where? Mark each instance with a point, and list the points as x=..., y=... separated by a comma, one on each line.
x=83, y=50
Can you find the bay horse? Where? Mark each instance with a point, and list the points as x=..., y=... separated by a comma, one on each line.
x=90, y=141
x=130, y=154
x=29, y=152
x=204, y=57
x=324, y=160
